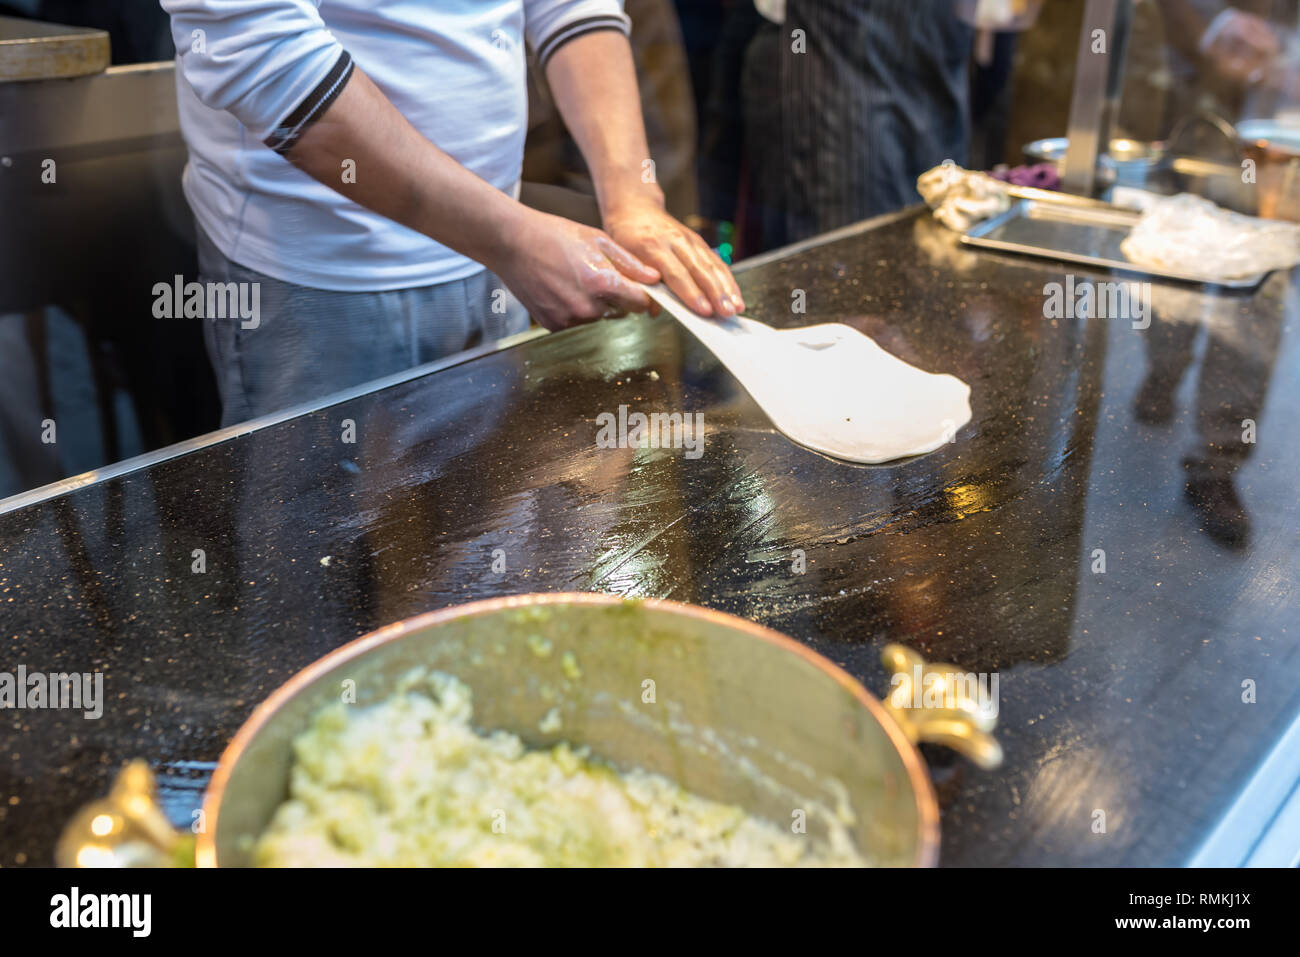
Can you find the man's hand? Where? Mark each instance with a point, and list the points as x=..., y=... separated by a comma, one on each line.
x=567, y=274
x=688, y=266
x=604, y=117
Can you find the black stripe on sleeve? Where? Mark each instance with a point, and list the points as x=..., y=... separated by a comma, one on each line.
x=327, y=90
x=571, y=31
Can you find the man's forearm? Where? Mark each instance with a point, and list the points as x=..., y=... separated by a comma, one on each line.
x=402, y=175
x=593, y=80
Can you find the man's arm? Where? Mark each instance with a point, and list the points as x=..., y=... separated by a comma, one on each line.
x=402, y=175
x=559, y=269
x=287, y=79
x=593, y=80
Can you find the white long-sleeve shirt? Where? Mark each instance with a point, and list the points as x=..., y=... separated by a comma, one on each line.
x=252, y=74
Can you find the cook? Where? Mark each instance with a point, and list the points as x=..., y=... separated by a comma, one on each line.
x=360, y=163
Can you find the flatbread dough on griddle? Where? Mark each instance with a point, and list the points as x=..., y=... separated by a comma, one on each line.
x=831, y=388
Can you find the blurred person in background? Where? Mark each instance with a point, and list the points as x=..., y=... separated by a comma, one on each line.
x=842, y=105
x=880, y=96
x=1223, y=55
x=997, y=24
x=553, y=160
x=740, y=134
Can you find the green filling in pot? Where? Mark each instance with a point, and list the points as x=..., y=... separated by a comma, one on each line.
x=411, y=783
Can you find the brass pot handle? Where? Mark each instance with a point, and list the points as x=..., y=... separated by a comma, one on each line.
x=125, y=829
x=939, y=703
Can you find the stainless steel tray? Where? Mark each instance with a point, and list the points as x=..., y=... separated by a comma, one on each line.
x=1089, y=234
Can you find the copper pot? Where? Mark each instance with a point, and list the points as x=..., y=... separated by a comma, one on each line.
x=740, y=714
x=1275, y=151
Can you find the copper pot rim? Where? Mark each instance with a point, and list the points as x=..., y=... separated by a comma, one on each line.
x=1262, y=136
x=927, y=806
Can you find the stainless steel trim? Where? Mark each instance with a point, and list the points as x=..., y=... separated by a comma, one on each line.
x=122, y=103
x=126, y=466
x=1279, y=845
x=1261, y=828
x=1097, y=79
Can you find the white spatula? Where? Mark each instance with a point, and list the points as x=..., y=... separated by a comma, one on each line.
x=832, y=389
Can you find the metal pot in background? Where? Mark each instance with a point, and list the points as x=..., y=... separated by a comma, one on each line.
x=1275, y=149
x=742, y=715
x=1185, y=164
